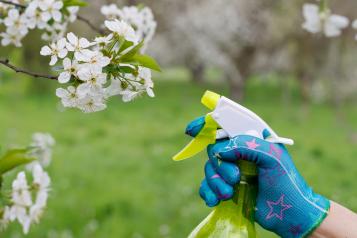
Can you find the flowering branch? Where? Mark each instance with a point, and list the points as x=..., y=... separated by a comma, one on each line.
x=113, y=63
x=90, y=24
x=81, y=18
x=6, y=62
x=12, y=3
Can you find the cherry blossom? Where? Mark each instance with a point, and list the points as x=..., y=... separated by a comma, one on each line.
x=76, y=44
x=42, y=144
x=323, y=21
x=55, y=50
x=50, y=16
x=16, y=22
x=51, y=10
x=140, y=18
x=122, y=29
x=93, y=80
x=110, y=11
x=70, y=68
x=69, y=96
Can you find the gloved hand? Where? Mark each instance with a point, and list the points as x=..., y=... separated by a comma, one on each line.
x=285, y=204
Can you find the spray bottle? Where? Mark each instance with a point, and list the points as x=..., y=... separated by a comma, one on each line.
x=233, y=218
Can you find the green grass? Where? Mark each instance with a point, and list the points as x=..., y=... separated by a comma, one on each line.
x=112, y=171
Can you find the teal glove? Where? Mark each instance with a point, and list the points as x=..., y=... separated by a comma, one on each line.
x=285, y=204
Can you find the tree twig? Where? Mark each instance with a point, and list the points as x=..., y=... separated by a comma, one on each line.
x=6, y=62
x=91, y=25
x=12, y=3
x=81, y=18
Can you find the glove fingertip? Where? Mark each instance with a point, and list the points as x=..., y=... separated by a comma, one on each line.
x=211, y=201
x=226, y=193
x=194, y=127
x=266, y=133
x=208, y=195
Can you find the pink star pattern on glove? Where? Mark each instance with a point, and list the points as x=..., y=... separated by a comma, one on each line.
x=277, y=208
x=275, y=151
x=252, y=144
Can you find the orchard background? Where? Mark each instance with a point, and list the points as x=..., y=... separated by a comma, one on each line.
x=112, y=173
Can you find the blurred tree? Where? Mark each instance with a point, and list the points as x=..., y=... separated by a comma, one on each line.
x=244, y=38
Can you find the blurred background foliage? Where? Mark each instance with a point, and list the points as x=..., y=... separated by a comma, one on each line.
x=112, y=171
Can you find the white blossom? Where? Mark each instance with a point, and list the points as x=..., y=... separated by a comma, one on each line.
x=45, y=15
x=11, y=36
x=140, y=18
x=142, y=83
x=123, y=29
x=42, y=144
x=51, y=10
x=110, y=11
x=102, y=41
x=87, y=63
x=16, y=22
x=33, y=13
x=315, y=21
x=76, y=44
x=72, y=13
x=23, y=209
x=91, y=104
x=21, y=199
x=69, y=96
x=42, y=182
x=94, y=59
x=138, y=85
x=114, y=88
x=69, y=68
x=93, y=81
x=56, y=50
x=21, y=195
x=54, y=32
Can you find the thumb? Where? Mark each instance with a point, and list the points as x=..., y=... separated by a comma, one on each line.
x=194, y=127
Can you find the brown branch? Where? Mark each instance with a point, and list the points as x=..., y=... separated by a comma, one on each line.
x=12, y=3
x=23, y=71
x=91, y=25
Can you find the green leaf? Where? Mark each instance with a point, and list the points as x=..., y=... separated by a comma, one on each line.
x=147, y=61
x=127, y=69
x=70, y=3
x=132, y=52
x=125, y=45
x=14, y=158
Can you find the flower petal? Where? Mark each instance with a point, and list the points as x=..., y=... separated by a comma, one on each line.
x=45, y=50
x=64, y=77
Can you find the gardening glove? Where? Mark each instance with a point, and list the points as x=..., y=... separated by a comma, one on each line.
x=285, y=204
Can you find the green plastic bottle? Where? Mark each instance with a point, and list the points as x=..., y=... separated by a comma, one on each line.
x=233, y=218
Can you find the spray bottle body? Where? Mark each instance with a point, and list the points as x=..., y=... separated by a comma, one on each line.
x=233, y=218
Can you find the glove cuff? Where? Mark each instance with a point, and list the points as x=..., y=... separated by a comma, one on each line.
x=319, y=221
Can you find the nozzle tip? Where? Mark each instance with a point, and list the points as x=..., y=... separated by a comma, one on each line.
x=210, y=99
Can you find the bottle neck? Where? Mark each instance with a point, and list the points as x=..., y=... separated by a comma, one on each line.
x=234, y=217
x=246, y=191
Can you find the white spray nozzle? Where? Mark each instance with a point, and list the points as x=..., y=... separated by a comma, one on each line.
x=236, y=120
